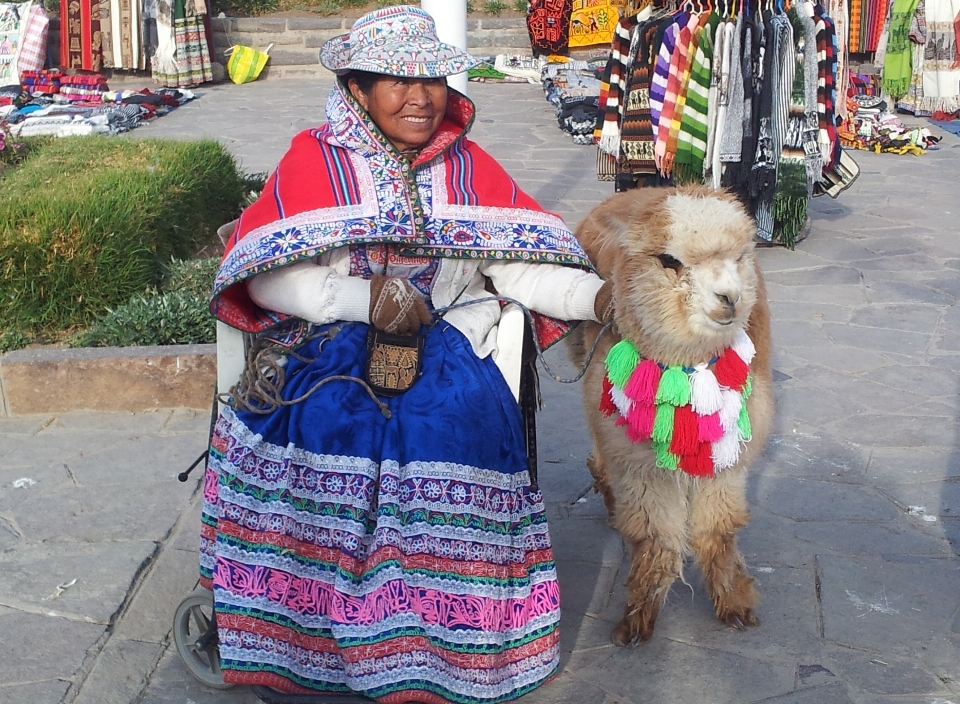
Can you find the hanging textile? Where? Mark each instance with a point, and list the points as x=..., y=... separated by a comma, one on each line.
x=81, y=41
x=897, y=62
x=13, y=26
x=120, y=25
x=183, y=55
x=593, y=22
x=548, y=23
x=941, y=58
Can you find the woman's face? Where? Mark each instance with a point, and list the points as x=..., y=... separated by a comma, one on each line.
x=407, y=110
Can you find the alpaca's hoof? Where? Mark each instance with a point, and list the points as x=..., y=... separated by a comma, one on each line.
x=742, y=620
x=630, y=635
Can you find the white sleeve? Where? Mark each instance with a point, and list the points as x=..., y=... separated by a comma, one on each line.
x=562, y=292
x=313, y=292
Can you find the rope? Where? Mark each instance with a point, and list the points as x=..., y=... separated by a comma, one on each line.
x=260, y=387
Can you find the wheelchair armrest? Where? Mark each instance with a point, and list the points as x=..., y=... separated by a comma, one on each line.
x=510, y=346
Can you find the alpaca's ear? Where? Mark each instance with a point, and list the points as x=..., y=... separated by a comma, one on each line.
x=618, y=224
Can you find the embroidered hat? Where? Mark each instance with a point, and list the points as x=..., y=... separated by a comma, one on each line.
x=396, y=41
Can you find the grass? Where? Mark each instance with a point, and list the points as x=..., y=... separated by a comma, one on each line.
x=87, y=222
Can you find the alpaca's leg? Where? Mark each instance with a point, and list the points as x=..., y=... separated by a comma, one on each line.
x=718, y=508
x=651, y=516
x=601, y=480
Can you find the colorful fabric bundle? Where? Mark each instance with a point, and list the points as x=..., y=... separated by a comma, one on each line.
x=548, y=23
x=46, y=82
x=695, y=418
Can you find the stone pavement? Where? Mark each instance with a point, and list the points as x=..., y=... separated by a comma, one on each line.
x=855, y=535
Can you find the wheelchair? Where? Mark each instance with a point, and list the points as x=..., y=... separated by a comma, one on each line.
x=195, y=623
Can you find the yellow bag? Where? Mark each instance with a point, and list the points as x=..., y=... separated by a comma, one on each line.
x=246, y=63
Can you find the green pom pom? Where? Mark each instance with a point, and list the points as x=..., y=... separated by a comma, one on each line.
x=621, y=361
x=743, y=422
x=665, y=458
x=748, y=387
x=663, y=424
x=674, y=387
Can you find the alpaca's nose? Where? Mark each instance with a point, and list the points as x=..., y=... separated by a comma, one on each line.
x=729, y=300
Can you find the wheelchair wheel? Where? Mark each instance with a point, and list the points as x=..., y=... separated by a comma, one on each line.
x=195, y=635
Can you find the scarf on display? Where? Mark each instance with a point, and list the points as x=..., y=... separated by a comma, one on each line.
x=612, y=88
x=897, y=63
x=548, y=23
x=453, y=201
x=636, y=142
x=731, y=135
x=692, y=147
x=661, y=68
x=826, y=88
x=669, y=122
x=695, y=418
x=763, y=174
x=799, y=166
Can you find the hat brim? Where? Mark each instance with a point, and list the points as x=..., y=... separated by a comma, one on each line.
x=419, y=59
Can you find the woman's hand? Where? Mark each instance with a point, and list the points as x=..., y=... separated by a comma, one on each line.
x=395, y=306
x=603, y=306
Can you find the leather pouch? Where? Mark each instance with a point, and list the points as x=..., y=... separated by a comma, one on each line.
x=394, y=362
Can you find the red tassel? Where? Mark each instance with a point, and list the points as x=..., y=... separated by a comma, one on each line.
x=642, y=384
x=607, y=406
x=709, y=428
x=731, y=371
x=621, y=421
x=686, y=434
x=699, y=464
x=641, y=422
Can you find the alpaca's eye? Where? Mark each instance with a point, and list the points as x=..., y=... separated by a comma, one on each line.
x=669, y=262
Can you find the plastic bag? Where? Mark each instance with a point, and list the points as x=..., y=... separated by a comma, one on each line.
x=246, y=63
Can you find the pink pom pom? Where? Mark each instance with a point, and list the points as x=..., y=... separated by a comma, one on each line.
x=709, y=428
x=642, y=384
x=641, y=422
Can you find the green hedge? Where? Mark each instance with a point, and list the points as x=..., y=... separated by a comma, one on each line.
x=87, y=222
x=179, y=314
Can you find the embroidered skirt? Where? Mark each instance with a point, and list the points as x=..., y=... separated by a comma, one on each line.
x=403, y=558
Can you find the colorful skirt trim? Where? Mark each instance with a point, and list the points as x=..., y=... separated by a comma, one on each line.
x=402, y=558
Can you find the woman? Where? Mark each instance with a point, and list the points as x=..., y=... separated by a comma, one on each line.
x=388, y=545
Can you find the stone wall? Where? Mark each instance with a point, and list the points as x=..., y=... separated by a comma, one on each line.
x=297, y=40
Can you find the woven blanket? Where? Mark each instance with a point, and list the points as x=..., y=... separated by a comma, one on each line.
x=593, y=23
x=941, y=68
x=548, y=23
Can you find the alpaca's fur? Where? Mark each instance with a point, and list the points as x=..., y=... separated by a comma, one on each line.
x=676, y=317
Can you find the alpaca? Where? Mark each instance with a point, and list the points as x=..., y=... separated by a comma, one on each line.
x=686, y=289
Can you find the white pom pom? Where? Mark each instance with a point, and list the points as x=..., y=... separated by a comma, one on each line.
x=730, y=411
x=705, y=396
x=625, y=404
x=726, y=451
x=744, y=347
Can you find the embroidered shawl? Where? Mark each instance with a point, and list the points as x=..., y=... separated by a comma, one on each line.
x=344, y=184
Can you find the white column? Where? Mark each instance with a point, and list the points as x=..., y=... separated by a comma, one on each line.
x=451, y=19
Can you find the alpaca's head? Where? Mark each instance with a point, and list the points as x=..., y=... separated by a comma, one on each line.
x=686, y=280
